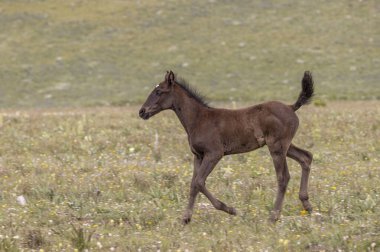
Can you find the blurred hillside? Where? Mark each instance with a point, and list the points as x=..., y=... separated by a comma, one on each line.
x=92, y=52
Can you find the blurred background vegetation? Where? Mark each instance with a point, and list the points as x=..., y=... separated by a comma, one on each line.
x=89, y=52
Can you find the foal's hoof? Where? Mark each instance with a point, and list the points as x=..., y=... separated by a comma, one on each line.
x=307, y=206
x=275, y=216
x=186, y=218
x=186, y=221
x=232, y=211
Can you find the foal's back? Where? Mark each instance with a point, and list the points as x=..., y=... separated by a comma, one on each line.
x=238, y=130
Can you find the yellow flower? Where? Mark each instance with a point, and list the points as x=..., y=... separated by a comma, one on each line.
x=333, y=188
x=303, y=212
x=285, y=242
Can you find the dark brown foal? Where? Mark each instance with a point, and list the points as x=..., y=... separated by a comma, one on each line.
x=213, y=133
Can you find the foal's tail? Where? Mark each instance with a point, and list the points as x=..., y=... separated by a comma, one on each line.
x=307, y=91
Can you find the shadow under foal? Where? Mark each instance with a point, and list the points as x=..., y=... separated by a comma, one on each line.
x=215, y=132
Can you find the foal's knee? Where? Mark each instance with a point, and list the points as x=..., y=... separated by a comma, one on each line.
x=199, y=184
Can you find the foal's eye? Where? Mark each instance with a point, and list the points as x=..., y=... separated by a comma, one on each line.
x=158, y=92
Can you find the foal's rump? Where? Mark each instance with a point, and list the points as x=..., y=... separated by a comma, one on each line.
x=275, y=120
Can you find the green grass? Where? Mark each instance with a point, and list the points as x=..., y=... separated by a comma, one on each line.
x=92, y=52
x=93, y=179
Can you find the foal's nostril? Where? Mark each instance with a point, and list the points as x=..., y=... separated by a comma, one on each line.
x=142, y=112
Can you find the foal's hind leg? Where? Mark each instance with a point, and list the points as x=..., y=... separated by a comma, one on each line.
x=304, y=158
x=278, y=152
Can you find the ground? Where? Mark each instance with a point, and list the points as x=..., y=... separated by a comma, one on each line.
x=103, y=179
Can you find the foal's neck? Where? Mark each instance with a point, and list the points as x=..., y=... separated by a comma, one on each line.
x=187, y=109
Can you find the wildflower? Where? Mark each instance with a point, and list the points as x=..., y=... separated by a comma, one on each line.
x=284, y=242
x=333, y=188
x=304, y=212
x=99, y=245
x=21, y=200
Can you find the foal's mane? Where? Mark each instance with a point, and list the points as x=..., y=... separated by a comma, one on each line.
x=191, y=91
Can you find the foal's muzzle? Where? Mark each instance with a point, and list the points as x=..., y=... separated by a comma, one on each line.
x=143, y=114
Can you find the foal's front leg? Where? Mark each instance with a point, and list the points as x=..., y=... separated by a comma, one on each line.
x=202, y=168
x=208, y=163
x=193, y=192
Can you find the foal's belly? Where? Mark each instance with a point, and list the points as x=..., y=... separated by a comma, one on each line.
x=236, y=146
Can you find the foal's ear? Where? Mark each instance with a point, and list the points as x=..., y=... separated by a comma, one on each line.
x=170, y=78
x=166, y=75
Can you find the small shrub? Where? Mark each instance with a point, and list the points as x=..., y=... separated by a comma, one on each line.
x=140, y=181
x=80, y=238
x=34, y=239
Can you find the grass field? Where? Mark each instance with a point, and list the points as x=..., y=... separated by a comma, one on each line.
x=80, y=171
x=102, y=179
x=92, y=52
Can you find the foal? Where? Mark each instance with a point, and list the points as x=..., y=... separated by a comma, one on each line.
x=214, y=132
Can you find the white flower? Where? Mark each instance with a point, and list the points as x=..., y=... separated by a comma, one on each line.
x=21, y=200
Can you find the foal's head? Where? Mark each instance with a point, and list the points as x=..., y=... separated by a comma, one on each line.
x=160, y=98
